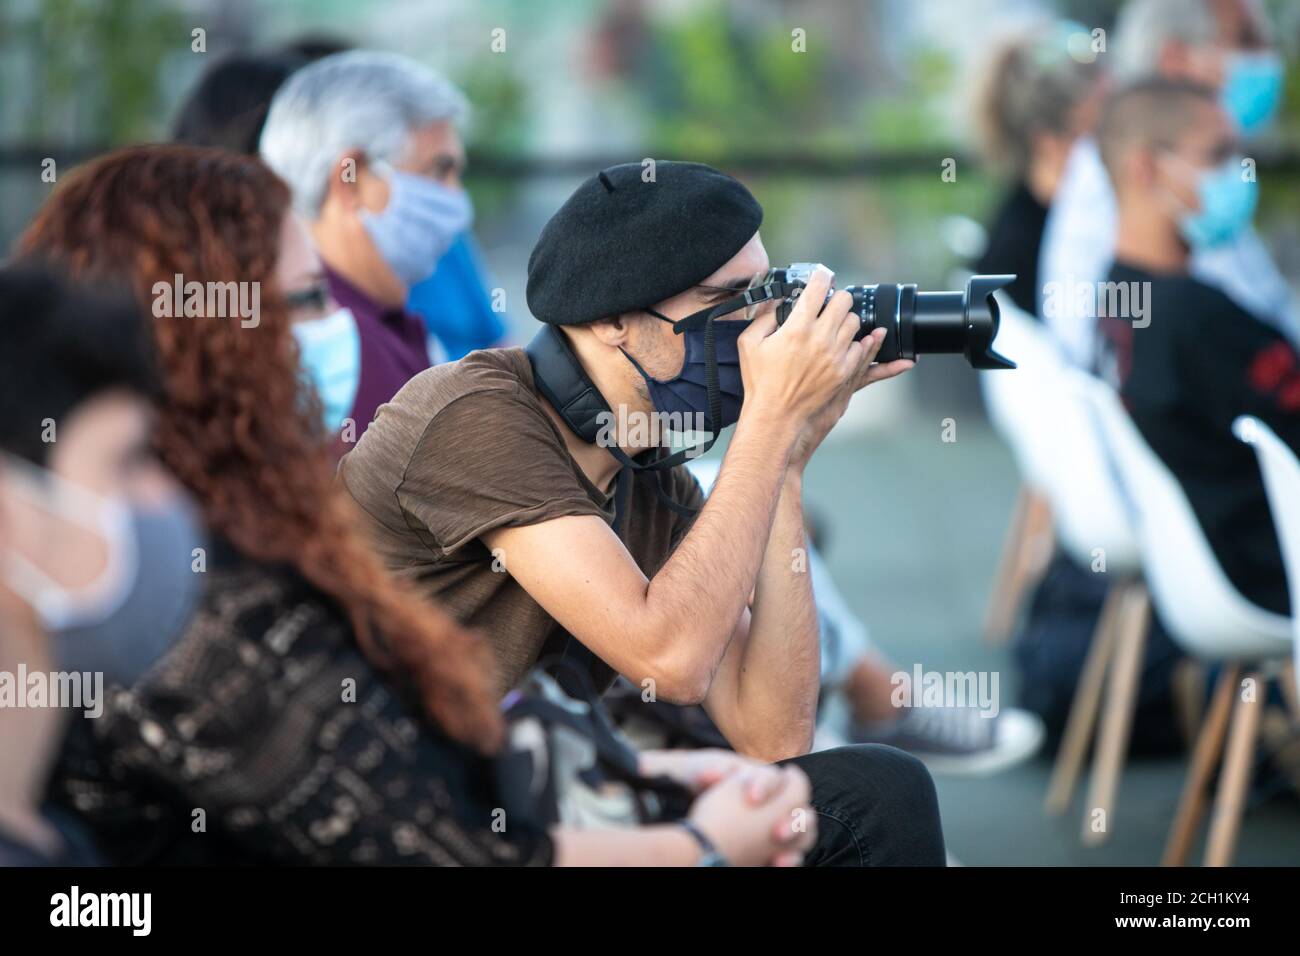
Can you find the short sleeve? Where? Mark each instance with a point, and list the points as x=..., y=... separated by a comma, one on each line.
x=489, y=460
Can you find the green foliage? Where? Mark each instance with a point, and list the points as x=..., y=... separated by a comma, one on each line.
x=712, y=85
x=95, y=67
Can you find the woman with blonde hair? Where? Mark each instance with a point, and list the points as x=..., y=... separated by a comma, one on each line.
x=1039, y=90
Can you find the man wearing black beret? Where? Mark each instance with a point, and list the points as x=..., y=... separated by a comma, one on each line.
x=532, y=492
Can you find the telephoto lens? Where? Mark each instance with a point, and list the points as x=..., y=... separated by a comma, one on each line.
x=918, y=323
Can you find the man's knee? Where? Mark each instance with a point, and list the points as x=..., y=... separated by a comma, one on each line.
x=884, y=798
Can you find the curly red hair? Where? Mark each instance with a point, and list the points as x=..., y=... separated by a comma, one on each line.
x=234, y=427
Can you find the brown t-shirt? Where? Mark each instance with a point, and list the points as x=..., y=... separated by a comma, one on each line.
x=465, y=448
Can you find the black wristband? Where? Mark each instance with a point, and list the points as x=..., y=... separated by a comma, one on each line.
x=711, y=856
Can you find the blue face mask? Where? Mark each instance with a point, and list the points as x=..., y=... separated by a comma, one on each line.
x=1227, y=201
x=139, y=605
x=418, y=225
x=1252, y=90
x=164, y=595
x=331, y=355
x=688, y=392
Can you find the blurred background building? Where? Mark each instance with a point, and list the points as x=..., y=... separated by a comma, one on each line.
x=843, y=143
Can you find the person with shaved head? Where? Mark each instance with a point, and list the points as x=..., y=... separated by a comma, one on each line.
x=1225, y=45
x=1187, y=357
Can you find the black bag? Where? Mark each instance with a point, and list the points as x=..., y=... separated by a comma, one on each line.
x=661, y=725
x=566, y=763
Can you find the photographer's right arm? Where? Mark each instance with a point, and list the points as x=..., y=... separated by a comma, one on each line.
x=675, y=627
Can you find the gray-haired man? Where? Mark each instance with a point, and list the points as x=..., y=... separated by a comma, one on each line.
x=368, y=143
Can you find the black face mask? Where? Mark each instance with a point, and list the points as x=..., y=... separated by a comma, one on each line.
x=561, y=379
x=710, y=382
x=712, y=355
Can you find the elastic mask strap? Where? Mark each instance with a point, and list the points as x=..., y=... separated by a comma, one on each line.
x=713, y=390
x=755, y=296
x=621, y=495
x=661, y=465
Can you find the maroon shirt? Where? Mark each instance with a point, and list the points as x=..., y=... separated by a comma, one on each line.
x=394, y=348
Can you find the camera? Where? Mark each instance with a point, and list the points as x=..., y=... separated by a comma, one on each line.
x=915, y=322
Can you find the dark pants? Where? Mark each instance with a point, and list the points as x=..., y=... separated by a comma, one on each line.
x=876, y=806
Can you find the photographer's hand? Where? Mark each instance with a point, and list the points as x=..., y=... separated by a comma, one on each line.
x=793, y=371
x=776, y=832
x=700, y=769
x=820, y=425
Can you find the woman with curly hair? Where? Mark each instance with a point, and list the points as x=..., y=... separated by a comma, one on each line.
x=317, y=710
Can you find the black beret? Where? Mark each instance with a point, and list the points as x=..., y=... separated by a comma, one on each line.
x=622, y=243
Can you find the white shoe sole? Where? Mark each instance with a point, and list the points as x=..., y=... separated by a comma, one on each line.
x=1020, y=734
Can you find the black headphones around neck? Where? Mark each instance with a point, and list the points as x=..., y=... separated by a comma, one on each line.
x=563, y=381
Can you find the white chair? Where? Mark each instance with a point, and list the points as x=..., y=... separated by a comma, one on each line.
x=1055, y=446
x=1028, y=542
x=1202, y=611
x=1064, y=464
x=1281, y=471
x=1059, y=460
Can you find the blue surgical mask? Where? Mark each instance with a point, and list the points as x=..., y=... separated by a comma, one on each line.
x=164, y=594
x=139, y=605
x=331, y=355
x=688, y=393
x=1252, y=89
x=418, y=225
x=1227, y=199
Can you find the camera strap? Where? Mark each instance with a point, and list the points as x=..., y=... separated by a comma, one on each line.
x=773, y=288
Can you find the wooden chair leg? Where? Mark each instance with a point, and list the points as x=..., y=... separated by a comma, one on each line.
x=1024, y=557
x=1121, y=700
x=1239, y=757
x=1087, y=701
x=1191, y=690
x=1209, y=748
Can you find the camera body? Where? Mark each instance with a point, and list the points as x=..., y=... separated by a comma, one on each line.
x=916, y=322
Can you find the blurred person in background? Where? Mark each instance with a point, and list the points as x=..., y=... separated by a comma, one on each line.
x=1174, y=158
x=227, y=108
x=95, y=540
x=1225, y=45
x=369, y=144
x=317, y=710
x=455, y=302
x=1034, y=99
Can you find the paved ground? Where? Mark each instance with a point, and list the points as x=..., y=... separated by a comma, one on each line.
x=914, y=527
